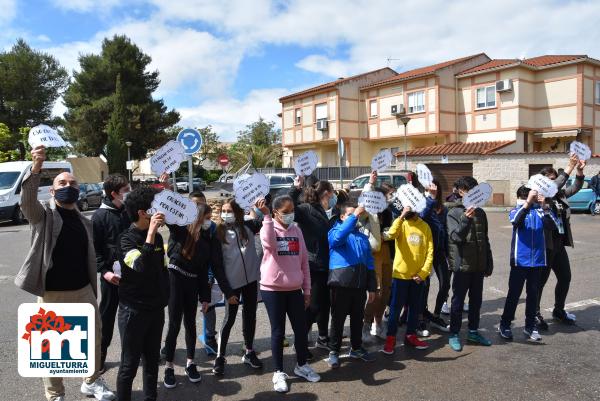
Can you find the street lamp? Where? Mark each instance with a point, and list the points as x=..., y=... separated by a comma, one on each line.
x=129, y=143
x=405, y=119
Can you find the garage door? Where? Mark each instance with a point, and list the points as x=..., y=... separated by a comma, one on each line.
x=447, y=174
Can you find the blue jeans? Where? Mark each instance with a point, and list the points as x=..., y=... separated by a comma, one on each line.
x=405, y=292
x=518, y=277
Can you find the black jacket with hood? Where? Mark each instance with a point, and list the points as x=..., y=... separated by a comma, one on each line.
x=108, y=223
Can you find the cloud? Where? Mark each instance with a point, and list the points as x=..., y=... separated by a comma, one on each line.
x=83, y=6
x=9, y=11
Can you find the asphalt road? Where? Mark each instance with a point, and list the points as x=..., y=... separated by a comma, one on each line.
x=564, y=367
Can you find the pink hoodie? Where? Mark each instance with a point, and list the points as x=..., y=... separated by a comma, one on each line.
x=285, y=260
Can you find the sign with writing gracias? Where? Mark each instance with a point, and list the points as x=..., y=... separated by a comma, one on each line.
x=168, y=158
x=177, y=209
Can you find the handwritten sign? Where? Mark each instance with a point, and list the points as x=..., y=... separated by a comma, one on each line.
x=46, y=136
x=581, y=150
x=424, y=174
x=168, y=158
x=248, y=190
x=373, y=201
x=411, y=197
x=306, y=163
x=478, y=196
x=544, y=185
x=381, y=160
x=178, y=209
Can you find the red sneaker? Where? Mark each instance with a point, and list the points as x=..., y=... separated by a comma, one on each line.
x=414, y=341
x=390, y=344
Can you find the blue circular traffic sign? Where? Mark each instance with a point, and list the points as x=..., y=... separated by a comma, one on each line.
x=190, y=139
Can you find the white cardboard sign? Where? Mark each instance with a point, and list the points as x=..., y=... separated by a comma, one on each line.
x=306, y=163
x=581, y=150
x=168, y=158
x=424, y=174
x=381, y=160
x=410, y=196
x=248, y=190
x=44, y=135
x=373, y=201
x=544, y=185
x=178, y=209
x=478, y=196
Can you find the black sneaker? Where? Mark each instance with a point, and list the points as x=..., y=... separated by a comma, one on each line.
x=251, y=359
x=440, y=324
x=219, y=367
x=322, y=343
x=211, y=346
x=170, y=381
x=563, y=317
x=540, y=322
x=192, y=373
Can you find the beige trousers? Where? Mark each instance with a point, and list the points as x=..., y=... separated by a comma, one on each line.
x=383, y=271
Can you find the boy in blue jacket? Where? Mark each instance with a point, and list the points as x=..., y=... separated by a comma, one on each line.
x=527, y=259
x=351, y=275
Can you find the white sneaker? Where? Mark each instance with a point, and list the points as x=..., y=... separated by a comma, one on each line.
x=373, y=329
x=366, y=334
x=61, y=398
x=98, y=389
x=571, y=316
x=466, y=308
x=279, y=382
x=307, y=372
x=445, y=309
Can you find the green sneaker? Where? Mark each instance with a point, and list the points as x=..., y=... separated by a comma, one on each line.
x=476, y=338
x=454, y=342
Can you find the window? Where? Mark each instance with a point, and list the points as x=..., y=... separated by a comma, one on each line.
x=321, y=111
x=399, y=181
x=373, y=108
x=298, y=118
x=486, y=97
x=416, y=102
x=597, y=92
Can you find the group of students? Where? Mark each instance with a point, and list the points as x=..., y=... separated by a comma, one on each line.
x=313, y=256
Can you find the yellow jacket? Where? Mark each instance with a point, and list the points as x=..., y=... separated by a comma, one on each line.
x=414, y=248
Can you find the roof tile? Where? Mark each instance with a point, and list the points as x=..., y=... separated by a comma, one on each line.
x=459, y=148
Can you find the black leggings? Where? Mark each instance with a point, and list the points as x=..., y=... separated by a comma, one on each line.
x=443, y=274
x=183, y=304
x=249, y=294
x=318, y=310
x=558, y=260
x=279, y=304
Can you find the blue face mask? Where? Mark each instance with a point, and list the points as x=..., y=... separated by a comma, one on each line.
x=66, y=194
x=332, y=201
x=259, y=214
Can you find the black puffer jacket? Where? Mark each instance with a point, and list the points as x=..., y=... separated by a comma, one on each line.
x=109, y=222
x=468, y=243
x=314, y=223
x=560, y=206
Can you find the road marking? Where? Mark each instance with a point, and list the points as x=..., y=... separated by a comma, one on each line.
x=578, y=304
x=496, y=290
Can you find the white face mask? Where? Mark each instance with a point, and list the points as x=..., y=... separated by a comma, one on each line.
x=125, y=195
x=228, y=218
x=206, y=224
x=288, y=219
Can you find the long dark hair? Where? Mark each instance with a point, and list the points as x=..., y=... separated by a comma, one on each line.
x=194, y=232
x=439, y=199
x=313, y=194
x=238, y=212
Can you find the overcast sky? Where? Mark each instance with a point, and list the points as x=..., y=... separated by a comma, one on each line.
x=226, y=62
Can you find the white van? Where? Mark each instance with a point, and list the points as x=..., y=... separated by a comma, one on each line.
x=11, y=177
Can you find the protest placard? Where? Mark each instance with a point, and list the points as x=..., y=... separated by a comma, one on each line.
x=478, y=196
x=381, y=160
x=178, y=209
x=373, y=201
x=544, y=185
x=306, y=163
x=424, y=174
x=410, y=196
x=168, y=158
x=581, y=150
x=248, y=190
x=46, y=136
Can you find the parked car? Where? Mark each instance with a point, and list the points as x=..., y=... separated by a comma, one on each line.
x=280, y=183
x=586, y=199
x=11, y=177
x=90, y=195
x=394, y=177
x=184, y=185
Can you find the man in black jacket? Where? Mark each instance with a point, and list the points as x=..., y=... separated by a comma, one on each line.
x=143, y=295
x=109, y=221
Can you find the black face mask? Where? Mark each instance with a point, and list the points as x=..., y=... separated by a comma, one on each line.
x=67, y=194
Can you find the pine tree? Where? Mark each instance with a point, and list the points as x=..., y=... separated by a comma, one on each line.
x=117, y=132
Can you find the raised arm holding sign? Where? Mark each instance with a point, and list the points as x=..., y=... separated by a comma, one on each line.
x=45, y=136
x=582, y=151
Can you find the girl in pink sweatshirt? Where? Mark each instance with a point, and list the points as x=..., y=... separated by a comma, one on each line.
x=285, y=287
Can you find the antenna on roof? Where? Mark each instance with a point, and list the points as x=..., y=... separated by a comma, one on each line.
x=389, y=60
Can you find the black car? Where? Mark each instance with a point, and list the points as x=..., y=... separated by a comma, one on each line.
x=90, y=195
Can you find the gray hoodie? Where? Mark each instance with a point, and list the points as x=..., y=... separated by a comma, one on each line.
x=240, y=260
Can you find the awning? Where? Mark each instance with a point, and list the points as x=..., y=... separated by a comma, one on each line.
x=561, y=134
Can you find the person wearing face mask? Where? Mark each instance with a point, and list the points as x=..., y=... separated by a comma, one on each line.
x=285, y=287
x=312, y=219
x=241, y=265
x=61, y=265
x=191, y=250
x=109, y=221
